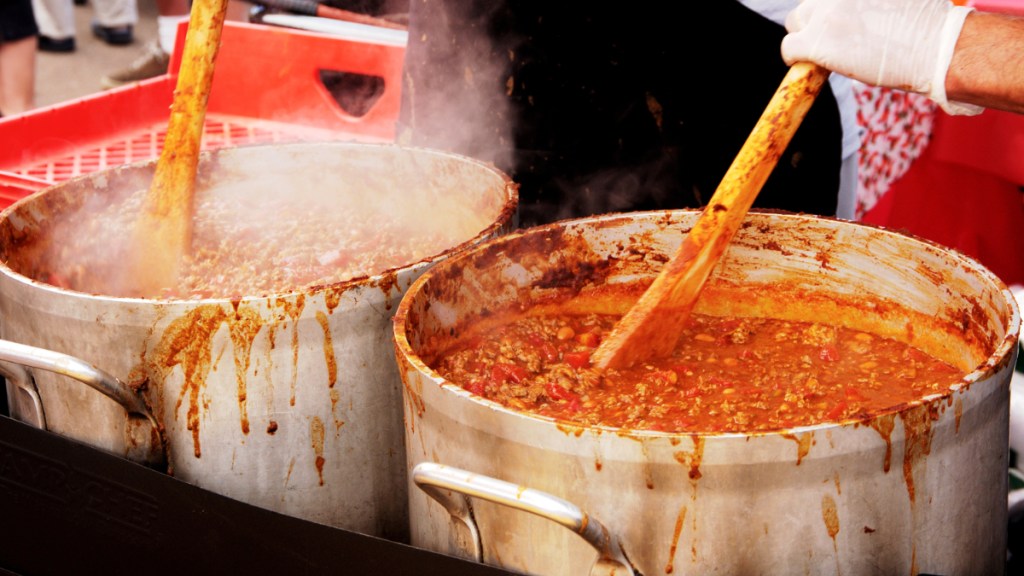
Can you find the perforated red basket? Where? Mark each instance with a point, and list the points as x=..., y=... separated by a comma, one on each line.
x=270, y=85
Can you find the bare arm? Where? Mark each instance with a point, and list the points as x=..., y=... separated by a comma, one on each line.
x=988, y=64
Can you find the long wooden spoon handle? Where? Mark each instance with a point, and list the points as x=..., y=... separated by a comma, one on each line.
x=652, y=326
x=165, y=228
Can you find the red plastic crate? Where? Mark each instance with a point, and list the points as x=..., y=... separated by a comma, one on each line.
x=266, y=89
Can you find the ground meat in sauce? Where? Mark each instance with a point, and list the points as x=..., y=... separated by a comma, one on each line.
x=726, y=375
x=281, y=246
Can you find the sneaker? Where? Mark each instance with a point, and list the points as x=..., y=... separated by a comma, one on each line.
x=47, y=44
x=115, y=35
x=153, y=62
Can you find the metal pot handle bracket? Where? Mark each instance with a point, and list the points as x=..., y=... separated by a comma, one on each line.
x=453, y=487
x=21, y=355
x=23, y=382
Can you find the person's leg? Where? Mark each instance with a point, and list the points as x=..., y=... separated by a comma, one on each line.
x=56, y=21
x=17, y=75
x=170, y=14
x=115, y=20
x=155, y=56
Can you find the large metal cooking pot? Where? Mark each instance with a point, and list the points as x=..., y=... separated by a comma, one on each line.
x=921, y=489
x=289, y=401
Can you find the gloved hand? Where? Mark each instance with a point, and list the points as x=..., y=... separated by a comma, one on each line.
x=903, y=44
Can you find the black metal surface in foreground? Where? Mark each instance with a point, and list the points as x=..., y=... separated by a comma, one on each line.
x=66, y=508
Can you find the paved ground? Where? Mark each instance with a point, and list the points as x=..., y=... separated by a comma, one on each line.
x=63, y=77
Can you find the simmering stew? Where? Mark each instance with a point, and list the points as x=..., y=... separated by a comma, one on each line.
x=243, y=247
x=725, y=375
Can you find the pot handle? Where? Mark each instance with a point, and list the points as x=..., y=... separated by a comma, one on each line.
x=77, y=369
x=22, y=380
x=440, y=482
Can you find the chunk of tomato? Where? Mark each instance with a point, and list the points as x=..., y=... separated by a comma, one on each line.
x=477, y=387
x=546, y=349
x=502, y=373
x=837, y=411
x=558, y=392
x=588, y=339
x=577, y=359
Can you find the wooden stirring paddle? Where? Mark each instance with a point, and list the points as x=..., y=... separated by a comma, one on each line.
x=652, y=326
x=163, y=232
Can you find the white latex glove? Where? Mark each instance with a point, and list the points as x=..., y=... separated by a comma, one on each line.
x=903, y=44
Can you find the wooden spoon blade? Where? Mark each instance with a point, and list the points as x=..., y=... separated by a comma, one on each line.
x=163, y=233
x=652, y=326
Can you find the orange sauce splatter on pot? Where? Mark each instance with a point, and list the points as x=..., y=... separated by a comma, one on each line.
x=693, y=459
x=830, y=515
x=335, y=398
x=648, y=473
x=958, y=412
x=329, y=358
x=803, y=444
x=917, y=425
x=243, y=328
x=186, y=342
x=332, y=297
x=388, y=281
x=884, y=425
x=293, y=310
x=316, y=434
x=680, y=518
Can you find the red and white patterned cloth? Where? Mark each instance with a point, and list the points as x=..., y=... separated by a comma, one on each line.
x=896, y=127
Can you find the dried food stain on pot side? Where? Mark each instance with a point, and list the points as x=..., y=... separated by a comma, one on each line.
x=332, y=297
x=803, y=444
x=569, y=428
x=692, y=459
x=676, y=533
x=958, y=412
x=292, y=310
x=329, y=358
x=575, y=274
x=331, y=362
x=316, y=435
x=917, y=442
x=830, y=514
x=243, y=328
x=577, y=265
x=187, y=342
x=387, y=283
x=936, y=277
x=884, y=425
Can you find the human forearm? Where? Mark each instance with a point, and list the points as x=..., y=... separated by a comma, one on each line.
x=987, y=68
